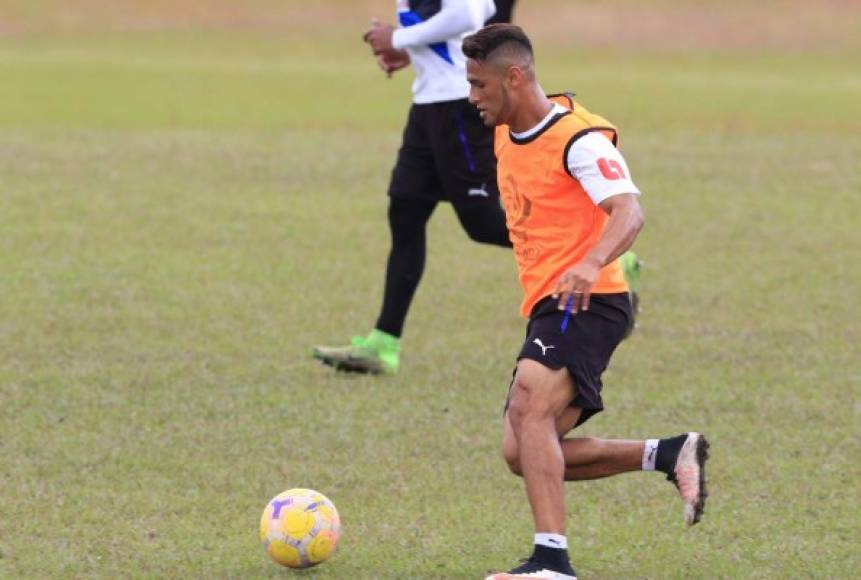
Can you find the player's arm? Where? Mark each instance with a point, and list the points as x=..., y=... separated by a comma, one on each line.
x=626, y=221
x=604, y=175
x=454, y=18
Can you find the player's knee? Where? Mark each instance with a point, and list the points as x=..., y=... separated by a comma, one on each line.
x=478, y=234
x=408, y=219
x=485, y=225
x=489, y=235
x=406, y=233
x=518, y=406
x=526, y=405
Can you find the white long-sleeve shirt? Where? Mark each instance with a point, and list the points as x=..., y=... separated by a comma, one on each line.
x=432, y=32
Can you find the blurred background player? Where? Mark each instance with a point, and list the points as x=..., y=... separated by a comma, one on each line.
x=446, y=155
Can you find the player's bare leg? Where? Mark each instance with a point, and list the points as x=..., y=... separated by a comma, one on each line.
x=681, y=458
x=538, y=396
x=585, y=457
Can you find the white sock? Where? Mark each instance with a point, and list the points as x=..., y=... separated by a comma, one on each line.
x=557, y=541
x=650, y=452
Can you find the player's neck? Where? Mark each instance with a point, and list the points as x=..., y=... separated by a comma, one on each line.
x=532, y=110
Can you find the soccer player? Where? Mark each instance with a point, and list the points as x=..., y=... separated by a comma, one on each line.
x=572, y=210
x=446, y=155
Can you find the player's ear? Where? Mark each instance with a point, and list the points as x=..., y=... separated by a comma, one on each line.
x=515, y=76
x=511, y=76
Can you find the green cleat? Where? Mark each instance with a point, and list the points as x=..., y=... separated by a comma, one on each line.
x=631, y=266
x=379, y=352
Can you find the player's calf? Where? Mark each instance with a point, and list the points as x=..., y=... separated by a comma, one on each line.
x=511, y=450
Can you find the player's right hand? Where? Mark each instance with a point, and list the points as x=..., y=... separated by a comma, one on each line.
x=379, y=36
x=576, y=283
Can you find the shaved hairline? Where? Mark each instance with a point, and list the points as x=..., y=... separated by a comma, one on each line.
x=511, y=53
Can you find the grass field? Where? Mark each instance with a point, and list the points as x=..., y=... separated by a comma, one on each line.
x=187, y=207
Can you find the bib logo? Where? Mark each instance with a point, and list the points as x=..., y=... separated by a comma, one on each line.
x=518, y=207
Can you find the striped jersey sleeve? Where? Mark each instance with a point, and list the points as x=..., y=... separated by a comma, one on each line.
x=599, y=167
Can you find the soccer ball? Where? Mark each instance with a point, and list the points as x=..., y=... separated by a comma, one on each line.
x=300, y=528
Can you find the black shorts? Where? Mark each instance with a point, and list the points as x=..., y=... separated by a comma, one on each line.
x=584, y=348
x=446, y=154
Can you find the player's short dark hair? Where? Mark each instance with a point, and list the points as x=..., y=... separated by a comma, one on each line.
x=483, y=43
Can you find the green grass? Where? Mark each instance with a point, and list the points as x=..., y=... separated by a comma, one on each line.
x=184, y=214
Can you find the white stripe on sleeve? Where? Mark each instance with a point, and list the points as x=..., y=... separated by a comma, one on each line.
x=454, y=18
x=599, y=167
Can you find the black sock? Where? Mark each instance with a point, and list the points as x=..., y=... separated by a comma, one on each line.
x=553, y=558
x=668, y=452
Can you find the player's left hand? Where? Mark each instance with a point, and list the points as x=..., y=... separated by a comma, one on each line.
x=392, y=61
x=379, y=36
x=576, y=283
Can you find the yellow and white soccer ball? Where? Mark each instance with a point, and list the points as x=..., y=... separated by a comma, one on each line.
x=300, y=528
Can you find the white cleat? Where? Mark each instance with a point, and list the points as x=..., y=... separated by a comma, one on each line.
x=541, y=574
x=536, y=574
x=690, y=476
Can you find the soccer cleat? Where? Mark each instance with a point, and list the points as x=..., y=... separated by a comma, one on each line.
x=532, y=570
x=689, y=476
x=631, y=267
x=379, y=352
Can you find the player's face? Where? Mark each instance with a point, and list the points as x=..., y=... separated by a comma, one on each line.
x=487, y=92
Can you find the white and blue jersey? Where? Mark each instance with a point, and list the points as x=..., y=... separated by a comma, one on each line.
x=432, y=32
